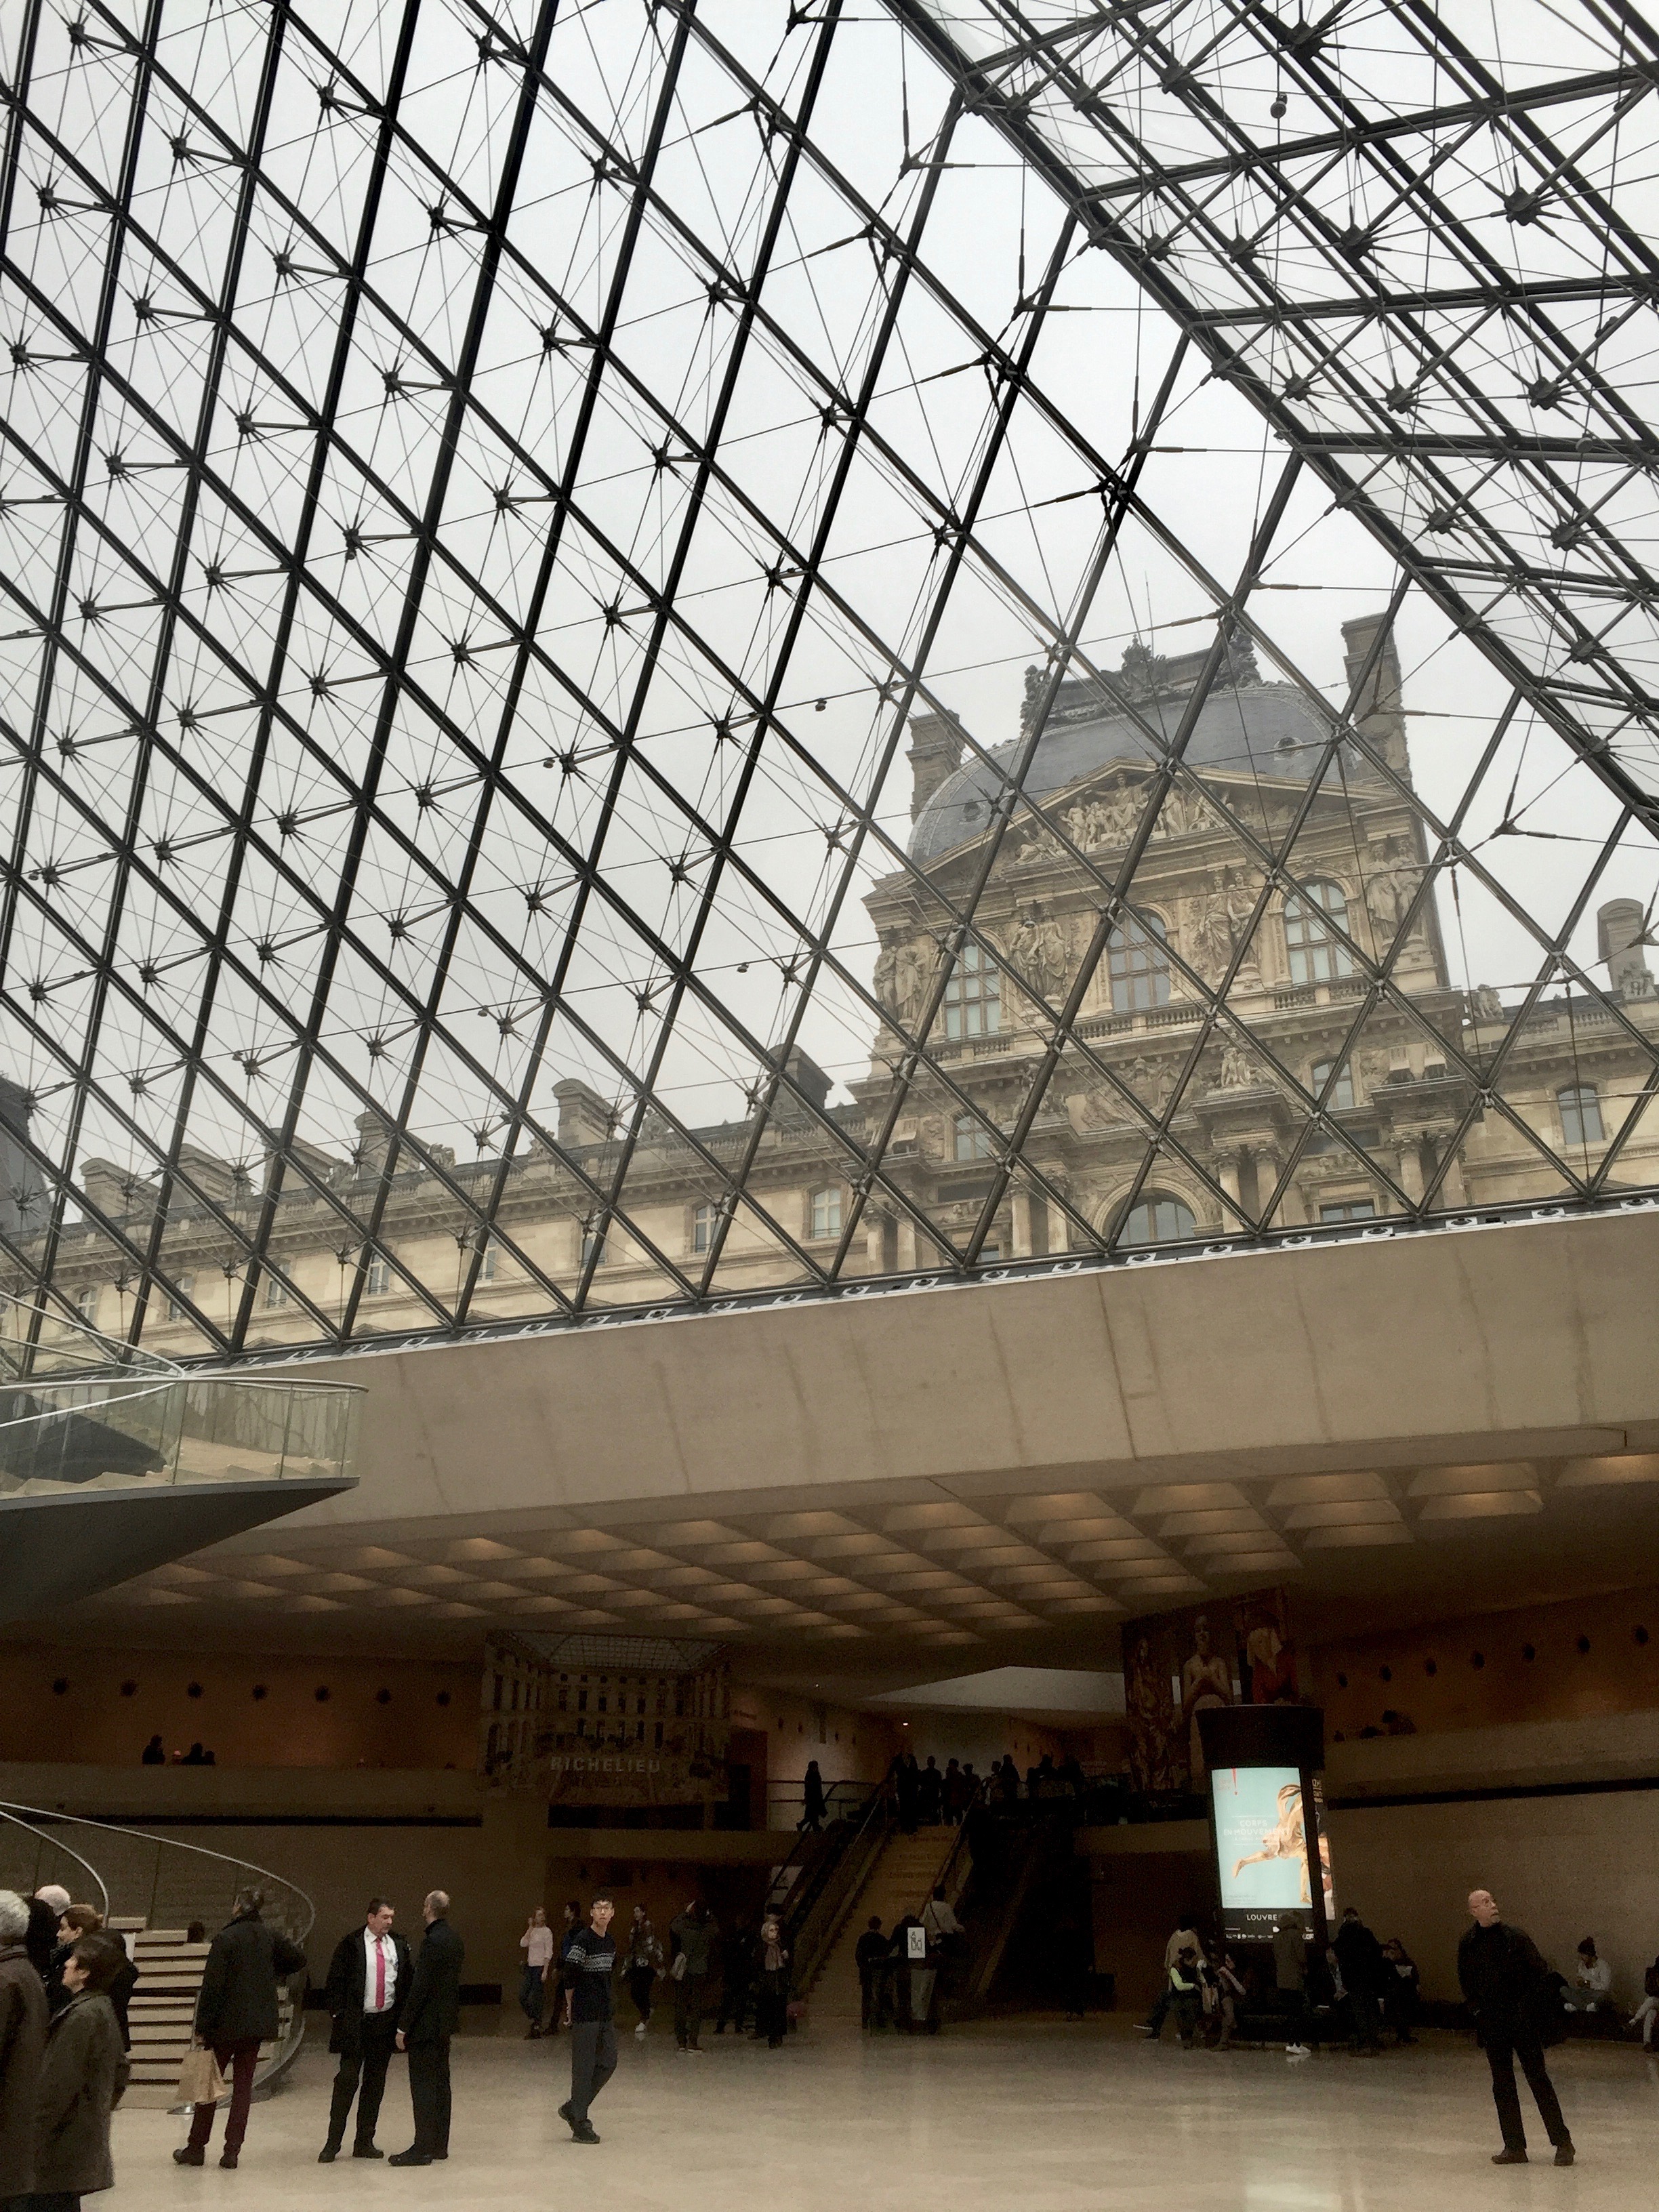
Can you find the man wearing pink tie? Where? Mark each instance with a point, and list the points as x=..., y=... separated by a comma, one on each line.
x=367, y=1981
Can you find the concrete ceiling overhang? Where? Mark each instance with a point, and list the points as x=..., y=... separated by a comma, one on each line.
x=997, y=1474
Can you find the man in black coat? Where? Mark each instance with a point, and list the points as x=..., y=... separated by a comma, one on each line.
x=429, y=2016
x=368, y=1979
x=1503, y=1980
x=236, y=2011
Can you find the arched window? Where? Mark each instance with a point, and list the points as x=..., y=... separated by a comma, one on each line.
x=1311, y=923
x=1580, y=1108
x=826, y=1212
x=1158, y=1219
x=973, y=997
x=1139, y=965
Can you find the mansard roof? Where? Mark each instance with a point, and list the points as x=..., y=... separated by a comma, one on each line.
x=1264, y=729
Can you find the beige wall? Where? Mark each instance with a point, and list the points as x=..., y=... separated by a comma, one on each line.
x=112, y=1702
x=1581, y=1660
x=1563, y=1867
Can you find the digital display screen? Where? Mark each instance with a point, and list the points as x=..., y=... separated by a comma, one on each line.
x=1261, y=1850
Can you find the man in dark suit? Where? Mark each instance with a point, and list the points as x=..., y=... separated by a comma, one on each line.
x=368, y=1979
x=429, y=2018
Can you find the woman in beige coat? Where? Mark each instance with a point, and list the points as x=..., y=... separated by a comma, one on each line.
x=82, y=2076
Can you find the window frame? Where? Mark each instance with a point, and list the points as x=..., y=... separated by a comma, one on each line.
x=181, y=1287
x=1571, y=1100
x=700, y=1231
x=1336, y=1103
x=829, y=1196
x=968, y=1129
x=1149, y=1202
x=972, y=1005
x=1317, y=954
x=1138, y=976
x=276, y=1293
x=1348, y=1209
x=377, y=1276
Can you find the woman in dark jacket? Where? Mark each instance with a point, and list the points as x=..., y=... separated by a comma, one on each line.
x=82, y=2076
x=771, y=1985
x=236, y=2011
x=813, y=1793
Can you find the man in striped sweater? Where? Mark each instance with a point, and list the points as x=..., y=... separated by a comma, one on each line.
x=590, y=1962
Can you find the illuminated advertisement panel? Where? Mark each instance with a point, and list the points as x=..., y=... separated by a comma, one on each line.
x=1261, y=1850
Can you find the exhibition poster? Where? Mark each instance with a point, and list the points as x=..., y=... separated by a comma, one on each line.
x=1261, y=1850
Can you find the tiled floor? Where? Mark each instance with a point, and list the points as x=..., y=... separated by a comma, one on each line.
x=1006, y=2117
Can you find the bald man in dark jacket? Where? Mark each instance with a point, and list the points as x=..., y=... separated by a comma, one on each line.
x=1503, y=1980
x=430, y=2015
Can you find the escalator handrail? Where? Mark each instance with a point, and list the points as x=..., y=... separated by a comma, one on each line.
x=804, y=1836
x=875, y=1817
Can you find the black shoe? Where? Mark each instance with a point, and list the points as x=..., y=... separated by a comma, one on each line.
x=585, y=2135
x=189, y=2154
x=440, y=2154
x=227, y=2160
x=409, y=2158
x=1565, y=2153
x=328, y=2154
x=567, y=2115
x=1508, y=2158
x=366, y=2150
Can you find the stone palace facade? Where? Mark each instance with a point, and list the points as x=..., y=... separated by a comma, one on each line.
x=1335, y=1104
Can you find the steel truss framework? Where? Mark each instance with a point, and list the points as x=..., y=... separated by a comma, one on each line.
x=485, y=489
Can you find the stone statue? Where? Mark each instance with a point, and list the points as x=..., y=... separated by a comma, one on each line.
x=1211, y=939
x=1390, y=891
x=1237, y=1069
x=885, y=974
x=909, y=983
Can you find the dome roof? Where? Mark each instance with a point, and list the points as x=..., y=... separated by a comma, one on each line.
x=1258, y=729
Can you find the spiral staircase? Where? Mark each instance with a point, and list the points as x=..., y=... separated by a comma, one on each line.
x=166, y=1900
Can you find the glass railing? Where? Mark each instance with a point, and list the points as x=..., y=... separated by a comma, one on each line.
x=80, y=1415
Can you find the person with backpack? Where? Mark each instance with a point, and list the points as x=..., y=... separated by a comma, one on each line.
x=1504, y=1980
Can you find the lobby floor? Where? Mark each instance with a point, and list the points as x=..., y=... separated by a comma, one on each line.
x=999, y=2116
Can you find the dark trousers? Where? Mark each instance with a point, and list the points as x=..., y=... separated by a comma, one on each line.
x=639, y=1979
x=592, y=2061
x=365, y=2055
x=772, y=2015
x=428, y=2093
x=736, y=2003
x=1367, y=2018
x=1160, y=2011
x=239, y=2060
x=689, y=2001
x=1502, y=2051
x=1188, y=2011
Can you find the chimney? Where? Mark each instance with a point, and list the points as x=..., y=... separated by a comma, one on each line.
x=1376, y=712
x=935, y=753
x=810, y=1084
x=22, y=1191
x=116, y=1192
x=1618, y=942
x=584, y=1117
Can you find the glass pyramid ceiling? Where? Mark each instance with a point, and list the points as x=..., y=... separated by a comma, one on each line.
x=654, y=652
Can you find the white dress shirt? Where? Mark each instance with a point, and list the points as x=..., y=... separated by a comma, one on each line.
x=380, y=1947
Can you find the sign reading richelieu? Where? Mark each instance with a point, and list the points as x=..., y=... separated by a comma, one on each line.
x=611, y=1722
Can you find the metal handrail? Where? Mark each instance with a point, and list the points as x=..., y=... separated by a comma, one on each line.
x=834, y=1894
x=783, y=1884
x=6, y=1813
x=959, y=1849
x=288, y=2045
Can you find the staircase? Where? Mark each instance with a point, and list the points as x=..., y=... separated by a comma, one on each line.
x=901, y=1881
x=137, y=1881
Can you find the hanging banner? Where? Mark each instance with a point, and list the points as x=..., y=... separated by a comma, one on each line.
x=1192, y=1659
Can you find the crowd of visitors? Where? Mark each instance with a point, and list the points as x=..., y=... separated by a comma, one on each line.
x=924, y=1794
x=65, y=1981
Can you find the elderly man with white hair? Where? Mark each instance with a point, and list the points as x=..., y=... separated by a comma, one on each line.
x=22, y=2043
